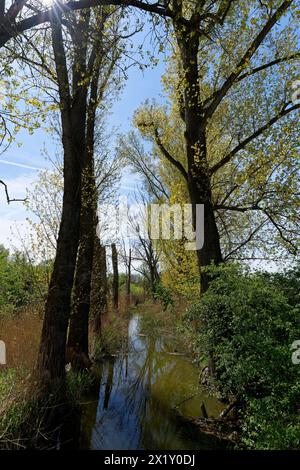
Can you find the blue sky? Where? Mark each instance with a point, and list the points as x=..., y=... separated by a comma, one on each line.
x=19, y=165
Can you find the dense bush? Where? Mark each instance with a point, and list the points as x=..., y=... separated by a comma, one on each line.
x=246, y=323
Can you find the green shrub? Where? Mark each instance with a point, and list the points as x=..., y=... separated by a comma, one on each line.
x=163, y=294
x=246, y=324
x=137, y=290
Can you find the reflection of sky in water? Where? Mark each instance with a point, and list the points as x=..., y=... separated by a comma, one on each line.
x=138, y=394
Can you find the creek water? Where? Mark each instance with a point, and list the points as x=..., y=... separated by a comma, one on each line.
x=140, y=395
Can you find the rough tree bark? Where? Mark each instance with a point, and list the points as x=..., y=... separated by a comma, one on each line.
x=78, y=341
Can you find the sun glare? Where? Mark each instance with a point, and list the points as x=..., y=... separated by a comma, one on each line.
x=48, y=3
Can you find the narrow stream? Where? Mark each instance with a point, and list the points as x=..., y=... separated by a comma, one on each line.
x=138, y=398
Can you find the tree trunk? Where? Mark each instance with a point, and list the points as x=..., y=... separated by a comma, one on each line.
x=198, y=177
x=78, y=344
x=99, y=288
x=198, y=180
x=49, y=374
x=115, y=281
x=211, y=250
x=153, y=281
x=78, y=341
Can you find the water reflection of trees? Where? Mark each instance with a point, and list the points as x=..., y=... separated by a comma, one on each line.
x=109, y=383
x=136, y=400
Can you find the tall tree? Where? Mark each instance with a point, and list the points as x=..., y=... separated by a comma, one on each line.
x=145, y=250
x=49, y=374
x=77, y=122
x=126, y=256
x=220, y=45
x=105, y=54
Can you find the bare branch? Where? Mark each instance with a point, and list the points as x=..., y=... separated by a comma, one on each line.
x=293, y=248
x=247, y=240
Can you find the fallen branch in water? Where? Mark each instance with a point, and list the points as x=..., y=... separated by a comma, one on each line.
x=227, y=410
x=174, y=353
x=184, y=401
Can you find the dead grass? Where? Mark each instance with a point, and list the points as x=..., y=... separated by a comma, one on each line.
x=21, y=334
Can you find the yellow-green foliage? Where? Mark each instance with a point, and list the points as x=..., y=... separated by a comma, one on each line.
x=179, y=266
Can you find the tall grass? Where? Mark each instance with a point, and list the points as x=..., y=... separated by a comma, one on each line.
x=21, y=334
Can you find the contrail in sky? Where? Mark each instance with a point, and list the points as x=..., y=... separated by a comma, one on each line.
x=20, y=165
